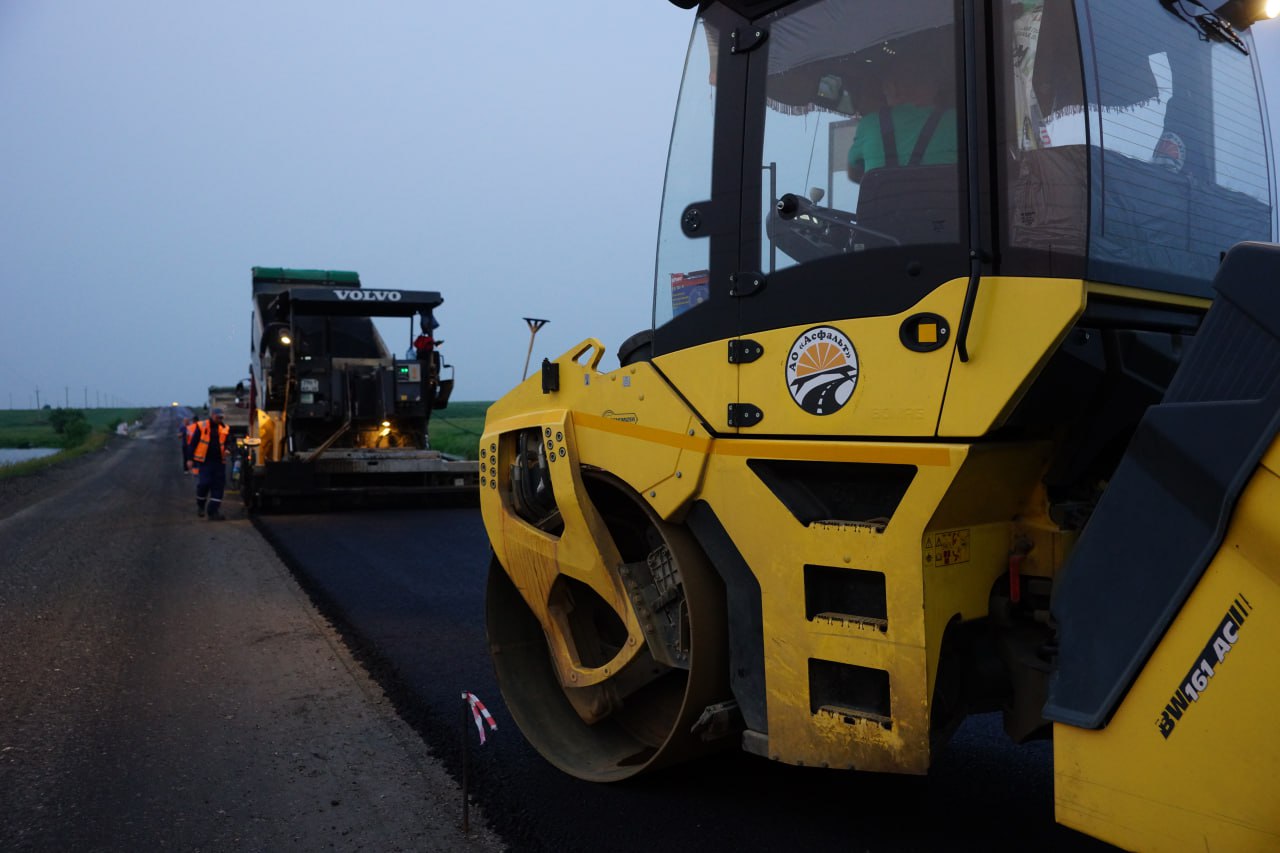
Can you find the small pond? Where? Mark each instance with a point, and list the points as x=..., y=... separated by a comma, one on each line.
x=10, y=455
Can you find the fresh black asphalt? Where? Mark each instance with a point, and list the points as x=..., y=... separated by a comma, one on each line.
x=406, y=588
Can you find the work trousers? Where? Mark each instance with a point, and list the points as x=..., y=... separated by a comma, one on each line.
x=210, y=485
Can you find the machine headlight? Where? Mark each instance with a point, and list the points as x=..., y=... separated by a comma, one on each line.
x=1242, y=14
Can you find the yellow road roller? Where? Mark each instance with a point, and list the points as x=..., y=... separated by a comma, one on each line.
x=959, y=395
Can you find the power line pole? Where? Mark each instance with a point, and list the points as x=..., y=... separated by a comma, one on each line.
x=37, y=396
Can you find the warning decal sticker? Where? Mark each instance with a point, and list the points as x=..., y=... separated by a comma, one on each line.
x=946, y=548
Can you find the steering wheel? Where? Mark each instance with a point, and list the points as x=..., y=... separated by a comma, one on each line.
x=807, y=232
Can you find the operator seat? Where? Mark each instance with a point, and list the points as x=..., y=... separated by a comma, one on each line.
x=914, y=204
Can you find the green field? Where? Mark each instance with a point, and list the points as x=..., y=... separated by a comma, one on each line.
x=457, y=429
x=31, y=427
x=454, y=430
x=24, y=428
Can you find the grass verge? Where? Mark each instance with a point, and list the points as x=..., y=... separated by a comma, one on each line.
x=457, y=429
x=35, y=427
x=23, y=428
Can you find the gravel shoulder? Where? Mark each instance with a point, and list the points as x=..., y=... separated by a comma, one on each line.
x=165, y=684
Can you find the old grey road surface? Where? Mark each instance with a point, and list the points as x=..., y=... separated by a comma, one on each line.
x=164, y=684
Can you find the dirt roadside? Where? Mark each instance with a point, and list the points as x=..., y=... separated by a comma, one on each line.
x=165, y=684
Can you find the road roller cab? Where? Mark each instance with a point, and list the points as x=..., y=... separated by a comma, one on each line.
x=922, y=271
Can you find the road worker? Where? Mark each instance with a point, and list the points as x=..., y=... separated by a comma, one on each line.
x=210, y=452
x=188, y=441
x=184, y=439
x=424, y=350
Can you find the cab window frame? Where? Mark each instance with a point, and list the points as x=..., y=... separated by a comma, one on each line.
x=875, y=282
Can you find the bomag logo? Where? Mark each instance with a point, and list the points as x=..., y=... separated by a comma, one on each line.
x=367, y=295
x=822, y=370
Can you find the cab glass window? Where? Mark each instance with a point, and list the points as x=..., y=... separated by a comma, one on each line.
x=1044, y=138
x=681, y=277
x=1178, y=147
x=861, y=134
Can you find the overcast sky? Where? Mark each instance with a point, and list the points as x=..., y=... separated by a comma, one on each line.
x=507, y=154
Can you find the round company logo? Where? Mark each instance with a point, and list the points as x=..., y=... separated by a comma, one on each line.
x=822, y=370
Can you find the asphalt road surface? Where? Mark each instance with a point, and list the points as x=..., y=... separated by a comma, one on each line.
x=166, y=685
x=406, y=588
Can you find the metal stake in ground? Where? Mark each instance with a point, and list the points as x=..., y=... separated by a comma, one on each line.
x=466, y=802
x=534, y=326
x=474, y=708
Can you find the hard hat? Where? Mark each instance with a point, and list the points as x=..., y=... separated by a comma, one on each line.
x=215, y=412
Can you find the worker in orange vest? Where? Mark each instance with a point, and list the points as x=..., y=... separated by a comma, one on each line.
x=187, y=433
x=209, y=451
x=182, y=442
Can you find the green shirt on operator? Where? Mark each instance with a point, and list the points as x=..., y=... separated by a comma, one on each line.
x=867, y=151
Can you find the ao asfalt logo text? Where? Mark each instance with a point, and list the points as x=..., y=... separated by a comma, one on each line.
x=1197, y=680
x=822, y=370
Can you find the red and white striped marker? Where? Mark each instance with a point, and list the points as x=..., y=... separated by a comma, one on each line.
x=478, y=710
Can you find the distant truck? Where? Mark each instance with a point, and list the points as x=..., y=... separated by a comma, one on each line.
x=234, y=402
x=332, y=410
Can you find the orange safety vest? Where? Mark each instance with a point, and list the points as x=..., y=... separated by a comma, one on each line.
x=202, y=448
x=190, y=433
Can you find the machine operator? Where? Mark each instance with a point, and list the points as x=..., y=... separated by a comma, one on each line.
x=911, y=127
